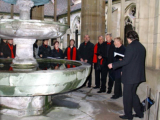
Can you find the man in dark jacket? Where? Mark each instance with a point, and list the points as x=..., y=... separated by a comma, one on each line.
x=109, y=55
x=44, y=50
x=2, y=45
x=99, y=62
x=118, y=56
x=133, y=73
x=9, y=50
x=86, y=55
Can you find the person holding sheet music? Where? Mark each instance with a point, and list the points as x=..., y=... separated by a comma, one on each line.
x=57, y=52
x=118, y=56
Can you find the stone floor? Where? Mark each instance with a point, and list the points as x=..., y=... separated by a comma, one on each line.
x=82, y=104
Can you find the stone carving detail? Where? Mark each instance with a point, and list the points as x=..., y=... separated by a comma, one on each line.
x=25, y=5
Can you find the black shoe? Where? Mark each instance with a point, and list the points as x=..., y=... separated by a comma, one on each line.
x=125, y=117
x=96, y=87
x=135, y=115
x=109, y=91
x=101, y=91
x=114, y=97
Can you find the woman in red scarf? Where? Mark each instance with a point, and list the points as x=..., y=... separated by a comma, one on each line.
x=9, y=50
x=71, y=51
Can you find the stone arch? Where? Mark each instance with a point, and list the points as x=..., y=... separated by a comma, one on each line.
x=76, y=28
x=76, y=23
x=130, y=15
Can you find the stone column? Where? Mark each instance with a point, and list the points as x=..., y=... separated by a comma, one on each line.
x=143, y=22
x=24, y=52
x=156, y=50
x=12, y=11
x=55, y=10
x=151, y=42
x=93, y=19
x=68, y=14
x=122, y=21
x=25, y=8
x=109, y=16
x=38, y=13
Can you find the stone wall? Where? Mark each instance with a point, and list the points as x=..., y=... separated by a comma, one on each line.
x=148, y=28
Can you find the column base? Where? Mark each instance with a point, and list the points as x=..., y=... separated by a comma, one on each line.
x=24, y=55
x=25, y=106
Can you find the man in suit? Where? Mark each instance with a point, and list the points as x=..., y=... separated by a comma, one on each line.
x=86, y=55
x=133, y=73
x=99, y=62
x=109, y=55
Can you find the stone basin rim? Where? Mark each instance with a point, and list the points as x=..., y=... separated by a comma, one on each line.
x=50, y=82
x=82, y=65
x=32, y=21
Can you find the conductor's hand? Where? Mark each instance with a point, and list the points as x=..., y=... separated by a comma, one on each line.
x=110, y=66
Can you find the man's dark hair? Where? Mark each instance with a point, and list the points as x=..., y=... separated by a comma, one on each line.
x=132, y=35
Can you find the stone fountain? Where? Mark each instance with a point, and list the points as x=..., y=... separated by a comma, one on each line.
x=27, y=89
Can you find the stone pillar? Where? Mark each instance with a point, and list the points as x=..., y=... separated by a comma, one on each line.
x=25, y=8
x=156, y=50
x=24, y=52
x=55, y=10
x=109, y=16
x=122, y=21
x=12, y=11
x=143, y=23
x=68, y=14
x=147, y=26
x=93, y=19
x=151, y=42
x=38, y=13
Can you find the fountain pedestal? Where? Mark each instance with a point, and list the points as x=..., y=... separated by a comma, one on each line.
x=25, y=106
x=24, y=52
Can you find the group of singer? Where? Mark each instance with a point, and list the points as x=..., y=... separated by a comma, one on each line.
x=109, y=58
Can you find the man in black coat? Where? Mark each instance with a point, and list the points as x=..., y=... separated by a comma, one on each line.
x=2, y=45
x=133, y=73
x=109, y=55
x=9, y=50
x=119, y=49
x=86, y=55
x=44, y=50
x=99, y=62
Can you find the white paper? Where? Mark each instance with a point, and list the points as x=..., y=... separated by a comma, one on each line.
x=118, y=54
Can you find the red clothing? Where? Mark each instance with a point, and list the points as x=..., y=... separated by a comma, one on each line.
x=73, y=55
x=95, y=57
x=11, y=48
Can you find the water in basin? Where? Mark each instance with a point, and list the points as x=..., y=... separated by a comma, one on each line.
x=43, y=64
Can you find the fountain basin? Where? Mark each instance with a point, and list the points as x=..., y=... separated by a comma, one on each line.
x=31, y=29
x=43, y=82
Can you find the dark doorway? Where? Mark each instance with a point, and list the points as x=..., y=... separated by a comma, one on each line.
x=128, y=28
x=76, y=38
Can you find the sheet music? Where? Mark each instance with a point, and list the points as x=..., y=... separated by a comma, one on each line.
x=118, y=54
